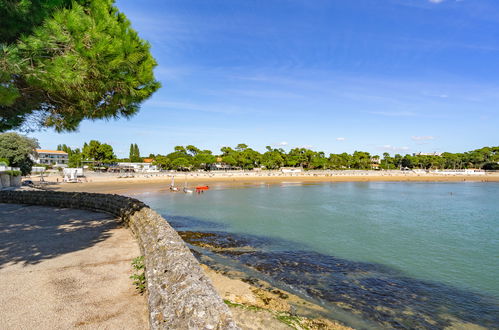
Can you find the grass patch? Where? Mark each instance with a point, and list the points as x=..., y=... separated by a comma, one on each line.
x=236, y=305
x=292, y=321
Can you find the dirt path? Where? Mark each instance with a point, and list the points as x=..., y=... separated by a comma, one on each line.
x=65, y=268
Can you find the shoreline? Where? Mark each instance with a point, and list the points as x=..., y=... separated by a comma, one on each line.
x=154, y=183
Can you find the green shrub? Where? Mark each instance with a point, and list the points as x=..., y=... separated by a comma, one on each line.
x=4, y=161
x=43, y=165
x=139, y=278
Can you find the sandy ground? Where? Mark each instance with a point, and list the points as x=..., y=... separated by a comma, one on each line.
x=63, y=268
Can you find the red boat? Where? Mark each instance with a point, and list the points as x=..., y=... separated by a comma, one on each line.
x=202, y=188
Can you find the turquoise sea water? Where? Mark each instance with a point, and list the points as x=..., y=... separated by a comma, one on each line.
x=445, y=234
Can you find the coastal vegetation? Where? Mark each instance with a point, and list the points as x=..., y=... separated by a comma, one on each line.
x=93, y=152
x=64, y=61
x=134, y=155
x=243, y=157
x=16, y=149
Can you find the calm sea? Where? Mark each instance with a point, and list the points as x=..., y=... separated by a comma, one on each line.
x=398, y=254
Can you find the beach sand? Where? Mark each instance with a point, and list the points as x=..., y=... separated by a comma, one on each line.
x=153, y=183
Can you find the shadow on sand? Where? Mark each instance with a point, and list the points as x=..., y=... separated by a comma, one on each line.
x=31, y=234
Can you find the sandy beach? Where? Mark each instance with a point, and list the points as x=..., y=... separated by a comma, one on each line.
x=114, y=183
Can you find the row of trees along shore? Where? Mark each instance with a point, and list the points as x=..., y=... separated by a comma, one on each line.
x=244, y=157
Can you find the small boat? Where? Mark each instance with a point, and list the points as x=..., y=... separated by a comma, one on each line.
x=172, y=185
x=201, y=189
x=186, y=190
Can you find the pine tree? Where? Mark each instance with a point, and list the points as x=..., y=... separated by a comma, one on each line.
x=72, y=61
x=132, y=152
x=137, y=151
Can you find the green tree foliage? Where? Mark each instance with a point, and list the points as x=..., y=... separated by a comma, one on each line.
x=17, y=149
x=20, y=16
x=181, y=163
x=65, y=148
x=98, y=152
x=62, y=62
x=273, y=159
x=162, y=162
x=243, y=157
x=135, y=153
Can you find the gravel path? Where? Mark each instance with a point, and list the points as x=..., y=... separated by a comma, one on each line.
x=65, y=268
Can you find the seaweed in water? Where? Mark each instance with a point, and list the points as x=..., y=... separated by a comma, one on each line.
x=378, y=293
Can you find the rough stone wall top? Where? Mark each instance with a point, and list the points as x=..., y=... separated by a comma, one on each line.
x=180, y=295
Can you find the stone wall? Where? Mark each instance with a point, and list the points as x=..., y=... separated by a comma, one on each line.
x=180, y=296
x=7, y=180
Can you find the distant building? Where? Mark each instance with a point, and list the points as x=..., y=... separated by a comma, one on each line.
x=134, y=167
x=219, y=166
x=54, y=158
x=291, y=169
x=439, y=154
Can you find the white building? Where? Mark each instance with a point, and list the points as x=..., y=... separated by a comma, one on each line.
x=291, y=169
x=138, y=167
x=428, y=154
x=4, y=168
x=51, y=157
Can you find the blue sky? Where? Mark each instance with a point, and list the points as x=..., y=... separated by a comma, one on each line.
x=340, y=75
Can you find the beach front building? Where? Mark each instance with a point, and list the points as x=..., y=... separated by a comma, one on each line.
x=291, y=169
x=145, y=167
x=375, y=162
x=53, y=158
x=221, y=166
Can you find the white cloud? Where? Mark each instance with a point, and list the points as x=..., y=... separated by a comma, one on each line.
x=389, y=147
x=422, y=138
x=306, y=146
x=282, y=144
x=436, y=1
x=340, y=139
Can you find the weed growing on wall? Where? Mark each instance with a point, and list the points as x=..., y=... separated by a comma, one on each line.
x=139, y=277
